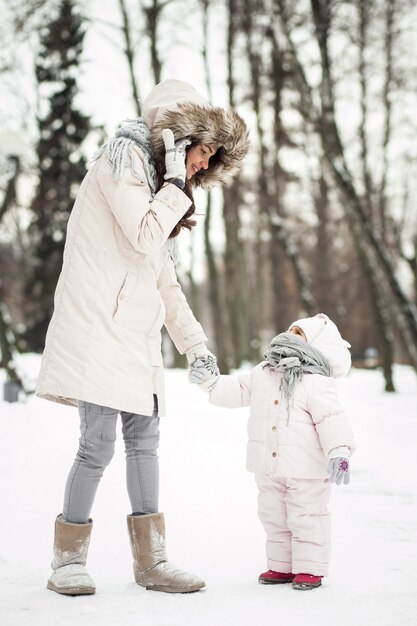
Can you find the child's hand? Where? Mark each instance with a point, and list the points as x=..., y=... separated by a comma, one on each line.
x=339, y=471
x=204, y=372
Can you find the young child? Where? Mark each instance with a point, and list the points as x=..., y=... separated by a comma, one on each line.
x=299, y=443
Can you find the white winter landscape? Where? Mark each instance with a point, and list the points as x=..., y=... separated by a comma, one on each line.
x=209, y=502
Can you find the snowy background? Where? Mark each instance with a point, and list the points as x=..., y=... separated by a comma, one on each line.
x=209, y=502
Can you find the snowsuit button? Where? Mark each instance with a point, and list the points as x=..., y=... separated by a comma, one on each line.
x=274, y=454
x=276, y=401
x=274, y=428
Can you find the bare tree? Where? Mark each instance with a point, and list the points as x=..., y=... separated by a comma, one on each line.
x=324, y=123
x=364, y=9
x=381, y=310
x=216, y=299
x=8, y=340
x=236, y=299
x=278, y=216
x=152, y=13
x=129, y=53
x=390, y=10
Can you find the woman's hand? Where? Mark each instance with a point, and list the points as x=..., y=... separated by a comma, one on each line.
x=175, y=153
x=204, y=372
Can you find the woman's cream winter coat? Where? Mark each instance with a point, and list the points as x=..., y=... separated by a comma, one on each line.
x=118, y=284
x=117, y=288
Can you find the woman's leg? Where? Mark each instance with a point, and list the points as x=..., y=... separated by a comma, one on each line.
x=146, y=525
x=96, y=449
x=141, y=437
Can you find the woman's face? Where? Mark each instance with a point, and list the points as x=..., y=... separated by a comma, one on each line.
x=198, y=158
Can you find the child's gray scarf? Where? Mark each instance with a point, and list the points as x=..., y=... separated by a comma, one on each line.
x=119, y=153
x=294, y=357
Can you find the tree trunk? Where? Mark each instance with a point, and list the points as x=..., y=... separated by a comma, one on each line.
x=235, y=277
x=380, y=307
x=234, y=253
x=216, y=303
x=7, y=347
x=216, y=307
x=279, y=233
x=152, y=13
x=364, y=8
x=130, y=56
x=387, y=106
x=382, y=315
x=8, y=342
x=263, y=209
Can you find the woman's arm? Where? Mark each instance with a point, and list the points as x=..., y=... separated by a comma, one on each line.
x=146, y=222
x=182, y=326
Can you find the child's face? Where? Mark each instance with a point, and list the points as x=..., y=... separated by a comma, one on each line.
x=296, y=330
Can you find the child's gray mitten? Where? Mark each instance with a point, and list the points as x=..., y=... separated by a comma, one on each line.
x=339, y=471
x=204, y=372
x=175, y=158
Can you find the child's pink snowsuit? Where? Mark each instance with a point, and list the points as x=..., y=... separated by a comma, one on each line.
x=289, y=456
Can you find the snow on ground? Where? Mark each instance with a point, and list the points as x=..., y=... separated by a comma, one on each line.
x=209, y=502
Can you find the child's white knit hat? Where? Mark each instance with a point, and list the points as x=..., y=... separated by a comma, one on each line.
x=324, y=335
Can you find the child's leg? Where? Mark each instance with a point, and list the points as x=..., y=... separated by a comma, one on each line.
x=273, y=515
x=309, y=522
x=141, y=437
x=96, y=449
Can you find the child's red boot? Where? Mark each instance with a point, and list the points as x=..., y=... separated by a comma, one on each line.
x=306, y=581
x=275, y=578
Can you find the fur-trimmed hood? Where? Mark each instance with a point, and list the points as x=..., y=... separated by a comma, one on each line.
x=175, y=104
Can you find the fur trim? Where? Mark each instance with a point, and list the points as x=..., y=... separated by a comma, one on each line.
x=209, y=125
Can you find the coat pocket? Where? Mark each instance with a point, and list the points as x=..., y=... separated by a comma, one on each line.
x=141, y=313
x=138, y=303
x=128, y=291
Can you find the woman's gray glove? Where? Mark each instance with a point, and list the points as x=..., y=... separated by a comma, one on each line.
x=204, y=372
x=175, y=158
x=339, y=471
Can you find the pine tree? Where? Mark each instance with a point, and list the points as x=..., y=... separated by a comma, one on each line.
x=62, y=130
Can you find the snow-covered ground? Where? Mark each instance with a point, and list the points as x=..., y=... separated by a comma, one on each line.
x=209, y=502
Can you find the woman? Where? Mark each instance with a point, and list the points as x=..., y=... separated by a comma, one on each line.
x=117, y=288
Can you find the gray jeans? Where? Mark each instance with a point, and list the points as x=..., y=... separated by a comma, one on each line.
x=96, y=449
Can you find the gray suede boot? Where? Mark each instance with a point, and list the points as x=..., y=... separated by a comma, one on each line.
x=150, y=565
x=69, y=575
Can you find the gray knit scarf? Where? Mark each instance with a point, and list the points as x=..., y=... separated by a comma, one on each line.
x=294, y=357
x=119, y=152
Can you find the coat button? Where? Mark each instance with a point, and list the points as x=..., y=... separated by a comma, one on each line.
x=274, y=454
x=274, y=428
x=276, y=401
